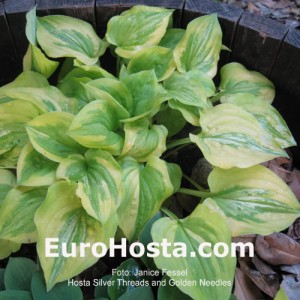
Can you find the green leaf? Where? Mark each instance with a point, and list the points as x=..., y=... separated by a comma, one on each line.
x=141, y=292
x=144, y=89
x=254, y=200
x=18, y=273
x=99, y=182
x=146, y=188
x=46, y=99
x=232, y=137
x=30, y=29
x=172, y=38
x=115, y=89
x=158, y=58
x=203, y=225
x=47, y=134
x=200, y=46
x=62, y=216
x=143, y=140
x=191, y=88
x=119, y=288
x=172, y=119
x=190, y=113
x=26, y=79
x=145, y=238
x=97, y=126
x=8, y=247
x=7, y=182
x=267, y=116
x=13, y=116
x=17, y=214
x=102, y=290
x=236, y=79
x=13, y=295
x=61, y=290
x=170, y=292
x=137, y=28
x=64, y=36
x=71, y=84
x=34, y=169
x=35, y=60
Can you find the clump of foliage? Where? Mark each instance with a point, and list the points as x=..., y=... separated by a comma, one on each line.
x=88, y=152
x=23, y=279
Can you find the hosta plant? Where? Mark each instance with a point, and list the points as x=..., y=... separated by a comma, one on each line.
x=84, y=159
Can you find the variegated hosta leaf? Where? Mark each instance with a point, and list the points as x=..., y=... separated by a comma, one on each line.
x=143, y=140
x=48, y=135
x=158, y=58
x=35, y=60
x=190, y=113
x=63, y=36
x=47, y=99
x=114, y=88
x=267, y=116
x=172, y=38
x=97, y=125
x=62, y=216
x=137, y=28
x=203, y=225
x=140, y=200
x=200, y=46
x=13, y=116
x=232, y=137
x=191, y=88
x=7, y=182
x=99, y=182
x=8, y=247
x=25, y=79
x=17, y=214
x=144, y=89
x=71, y=86
x=34, y=169
x=254, y=200
x=236, y=79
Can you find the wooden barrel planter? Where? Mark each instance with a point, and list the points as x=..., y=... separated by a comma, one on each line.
x=259, y=43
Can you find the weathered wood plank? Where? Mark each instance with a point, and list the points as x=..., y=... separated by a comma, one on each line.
x=82, y=9
x=286, y=69
x=178, y=5
x=286, y=77
x=16, y=17
x=257, y=42
x=105, y=9
x=10, y=64
x=228, y=16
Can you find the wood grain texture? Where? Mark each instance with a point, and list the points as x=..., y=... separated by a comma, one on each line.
x=82, y=9
x=16, y=18
x=286, y=77
x=178, y=5
x=257, y=42
x=10, y=64
x=105, y=9
x=286, y=69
